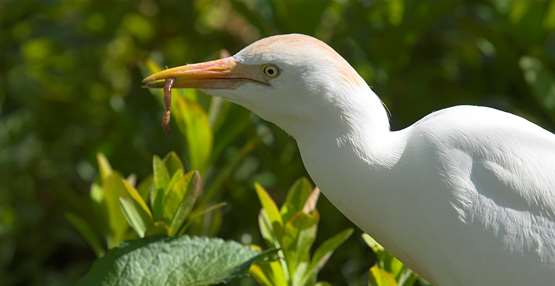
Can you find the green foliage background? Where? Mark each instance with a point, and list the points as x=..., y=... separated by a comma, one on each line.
x=70, y=73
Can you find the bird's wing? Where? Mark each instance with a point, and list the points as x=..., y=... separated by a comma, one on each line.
x=500, y=169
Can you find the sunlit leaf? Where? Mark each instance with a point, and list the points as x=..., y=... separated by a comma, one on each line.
x=372, y=243
x=260, y=276
x=193, y=122
x=161, y=175
x=134, y=194
x=136, y=217
x=103, y=166
x=187, y=203
x=113, y=189
x=296, y=198
x=311, y=201
x=379, y=277
x=173, y=163
x=173, y=194
x=270, y=209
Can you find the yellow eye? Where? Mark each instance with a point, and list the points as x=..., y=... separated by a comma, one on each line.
x=271, y=71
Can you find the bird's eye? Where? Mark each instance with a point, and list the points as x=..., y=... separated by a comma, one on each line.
x=271, y=71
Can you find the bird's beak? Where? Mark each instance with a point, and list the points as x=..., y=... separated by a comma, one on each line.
x=224, y=73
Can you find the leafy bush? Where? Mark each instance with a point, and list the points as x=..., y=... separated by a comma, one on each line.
x=163, y=203
x=292, y=229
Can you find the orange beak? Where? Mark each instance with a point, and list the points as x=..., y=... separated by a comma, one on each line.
x=224, y=73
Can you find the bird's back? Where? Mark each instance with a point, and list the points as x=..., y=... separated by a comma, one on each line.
x=490, y=199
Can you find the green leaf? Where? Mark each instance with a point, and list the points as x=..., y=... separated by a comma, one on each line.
x=103, y=166
x=192, y=261
x=137, y=198
x=297, y=240
x=161, y=175
x=158, y=198
x=187, y=203
x=296, y=198
x=265, y=227
x=372, y=243
x=379, y=277
x=96, y=193
x=206, y=210
x=298, y=236
x=260, y=275
x=394, y=266
x=324, y=252
x=173, y=194
x=145, y=188
x=113, y=189
x=173, y=163
x=136, y=218
x=269, y=206
x=192, y=121
x=87, y=232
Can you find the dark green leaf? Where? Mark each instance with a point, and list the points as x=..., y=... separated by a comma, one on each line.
x=184, y=260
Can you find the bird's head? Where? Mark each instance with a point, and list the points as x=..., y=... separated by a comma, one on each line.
x=290, y=80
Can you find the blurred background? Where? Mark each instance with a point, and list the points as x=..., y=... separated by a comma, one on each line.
x=70, y=87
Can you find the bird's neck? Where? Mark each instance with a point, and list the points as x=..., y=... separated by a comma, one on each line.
x=349, y=149
x=356, y=124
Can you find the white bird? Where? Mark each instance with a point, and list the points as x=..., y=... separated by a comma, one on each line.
x=465, y=196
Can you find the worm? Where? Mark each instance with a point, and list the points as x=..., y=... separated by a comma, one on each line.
x=167, y=104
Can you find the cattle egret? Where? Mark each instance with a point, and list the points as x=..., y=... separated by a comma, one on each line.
x=465, y=196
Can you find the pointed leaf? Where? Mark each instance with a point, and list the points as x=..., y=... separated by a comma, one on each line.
x=173, y=163
x=312, y=200
x=296, y=198
x=103, y=166
x=134, y=194
x=296, y=242
x=174, y=193
x=325, y=250
x=265, y=227
x=211, y=208
x=161, y=175
x=187, y=204
x=269, y=206
x=136, y=218
x=372, y=243
x=113, y=189
x=260, y=276
x=379, y=277
x=158, y=205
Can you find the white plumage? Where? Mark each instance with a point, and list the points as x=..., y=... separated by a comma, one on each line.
x=465, y=196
